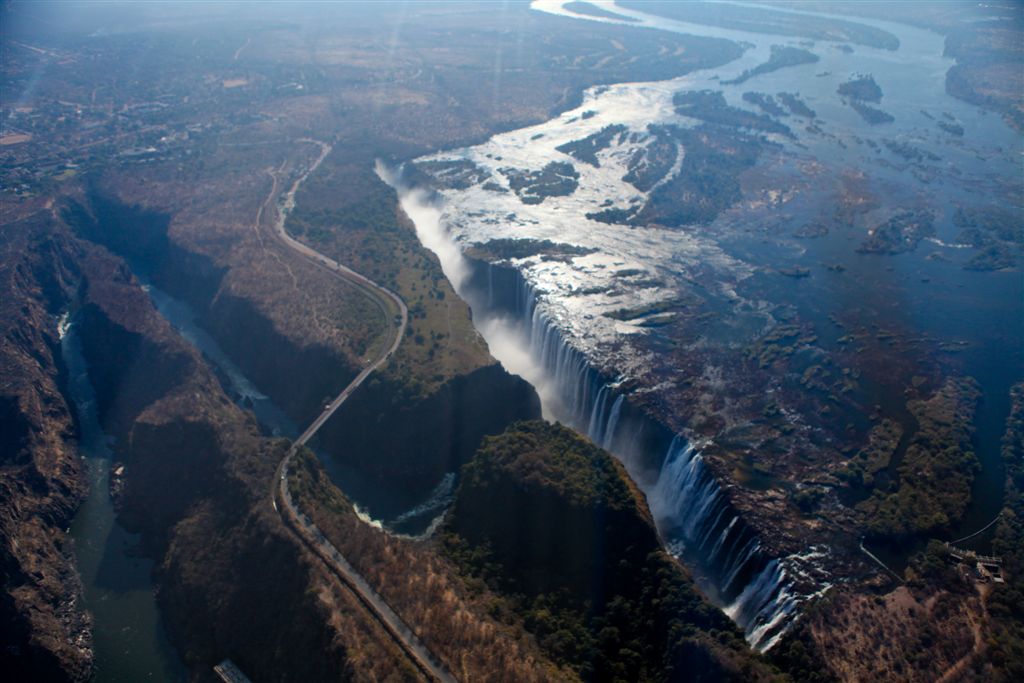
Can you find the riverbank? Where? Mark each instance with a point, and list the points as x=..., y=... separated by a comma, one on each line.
x=129, y=640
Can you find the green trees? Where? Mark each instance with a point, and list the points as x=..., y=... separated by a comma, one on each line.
x=552, y=522
x=935, y=474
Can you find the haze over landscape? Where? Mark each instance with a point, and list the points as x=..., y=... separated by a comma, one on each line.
x=512, y=341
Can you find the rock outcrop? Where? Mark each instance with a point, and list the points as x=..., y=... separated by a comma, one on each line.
x=44, y=630
x=411, y=442
x=197, y=485
x=545, y=516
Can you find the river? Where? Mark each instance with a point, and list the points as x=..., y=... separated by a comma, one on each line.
x=908, y=291
x=925, y=296
x=129, y=642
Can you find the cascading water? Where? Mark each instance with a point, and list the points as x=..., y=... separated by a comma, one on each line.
x=572, y=327
x=613, y=422
x=695, y=519
x=693, y=516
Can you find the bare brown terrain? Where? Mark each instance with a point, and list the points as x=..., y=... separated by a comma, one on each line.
x=160, y=155
x=456, y=623
x=173, y=173
x=42, y=483
x=937, y=631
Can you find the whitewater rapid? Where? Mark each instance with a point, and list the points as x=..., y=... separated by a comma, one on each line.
x=559, y=324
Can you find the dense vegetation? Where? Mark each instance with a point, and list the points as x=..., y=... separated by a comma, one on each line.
x=509, y=248
x=765, y=103
x=347, y=212
x=952, y=128
x=796, y=105
x=649, y=165
x=1006, y=605
x=870, y=114
x=858, y=92
x=900, y=233
x=586, y=149
x=908, y=151
x=710, y=106
x=362, y=204
x=459, y=625
x=987, y=70
x=553, y=523
x=797, y=653
x=1001, y=656
x=997, y=233
x=876, y=455
x=861, y=88
x=781, y=57
x=708, y=179
x=713, y=156
x=556, y=179
x=455, y=174
x=612, y=216
x=937, y=469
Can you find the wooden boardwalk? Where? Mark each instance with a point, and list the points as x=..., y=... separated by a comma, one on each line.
x=229, y=673
x=971, y=556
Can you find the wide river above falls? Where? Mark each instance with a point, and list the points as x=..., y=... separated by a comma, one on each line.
x=933, y=296
x=969, y=320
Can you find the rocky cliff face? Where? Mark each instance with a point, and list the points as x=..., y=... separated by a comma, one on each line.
x=547, y=517
x=297, y=375
x=392, y=430
x=197, y=483
x=43, y=628
x=297, y=372
x=411, y=442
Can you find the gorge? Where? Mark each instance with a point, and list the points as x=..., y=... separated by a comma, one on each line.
x=693, y=517
x=587, y=306
x=674, y=341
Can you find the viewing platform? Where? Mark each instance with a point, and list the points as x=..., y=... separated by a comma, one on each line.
x=229, y=673
x=987, y=567
x=971, y=556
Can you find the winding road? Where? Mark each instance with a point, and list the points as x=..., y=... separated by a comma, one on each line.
x=300, y=524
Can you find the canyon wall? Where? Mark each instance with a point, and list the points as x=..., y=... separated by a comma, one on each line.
x=197, y=485
x=196, y=467
x=298, y=374
x=412, y=444
x=544, y=515
x=692, y=511
x=43, y=627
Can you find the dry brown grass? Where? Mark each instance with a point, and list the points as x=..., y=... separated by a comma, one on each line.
x=214, y=212
x=901, y=636
x=425, y=590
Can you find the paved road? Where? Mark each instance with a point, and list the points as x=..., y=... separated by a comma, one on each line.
x=304, y=527
x=380, y=295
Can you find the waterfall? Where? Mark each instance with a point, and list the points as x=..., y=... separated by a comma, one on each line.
x=693, y=515
x=613, y=422
x=595, y=427
x=719, y=544
x=764, y=605
x=691, y=512
x=490, y=285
